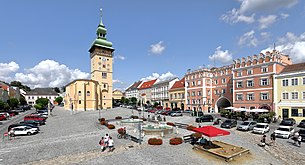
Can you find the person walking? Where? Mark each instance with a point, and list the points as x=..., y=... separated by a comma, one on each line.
x=263, y=141
x=102, y=144
x=106, y=139
x=272, y=137
x=295, y=138
x=299, y=140
x=110, y=144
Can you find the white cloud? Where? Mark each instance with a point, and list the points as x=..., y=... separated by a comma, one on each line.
x=117, y=82
x=234, y=16
x=249, y=6
x=8, y=68
x=157, y=48
x=49, y=73
x=164, y=76
x=284, y=15
x=265, y=35
x=292, y=45
x=120, y=57
x=248, y=39
x=266, y=21
x=221, y=56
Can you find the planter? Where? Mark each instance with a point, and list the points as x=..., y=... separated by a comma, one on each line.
x=154, y=141
x=197, y=135
x=144, y=119
x=118, y=117
x=190, y=127
x=175, y=141
x=111, y=126
x=170, y=123
x=134, y=117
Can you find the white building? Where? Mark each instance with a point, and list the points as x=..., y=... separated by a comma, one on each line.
x=37, y=93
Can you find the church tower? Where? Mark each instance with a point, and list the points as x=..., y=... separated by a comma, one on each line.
x=101, y=55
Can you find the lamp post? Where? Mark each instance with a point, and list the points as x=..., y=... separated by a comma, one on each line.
x=139, y=128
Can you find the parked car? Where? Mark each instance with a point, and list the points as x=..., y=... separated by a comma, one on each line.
x=7, y=115
x=34, y=117
x=2, y=117
x=177, y=113
x=24, y=130
x=21, y=124
x=288, y=122
x=284, y=132
x=261, y=128
x=302, y=124
x=302, y=134
x=246, y=125
x=195, y=113
x=167, y=113
x=33, y=122
x=187, y=111
x=228, y=124
x=204, y=118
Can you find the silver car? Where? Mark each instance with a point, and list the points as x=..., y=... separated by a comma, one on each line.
x=246, y=125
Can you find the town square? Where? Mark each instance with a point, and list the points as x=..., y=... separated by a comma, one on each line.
x=116, y=82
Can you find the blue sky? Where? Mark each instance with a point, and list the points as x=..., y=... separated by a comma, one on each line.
x=45, y=43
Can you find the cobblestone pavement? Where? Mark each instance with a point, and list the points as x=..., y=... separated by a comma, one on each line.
x=73, y=139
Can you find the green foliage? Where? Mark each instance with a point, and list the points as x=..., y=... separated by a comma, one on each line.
x=133, y=100
x=126, y=101
x=20, y=86
x=22, y=101
x=56, y=89
x=13, y=102
x=148, y=102
x=38, y=106
x=6, y=106
x=1, y=104
x=42, y=101
x=59, y=99
x=156, y=104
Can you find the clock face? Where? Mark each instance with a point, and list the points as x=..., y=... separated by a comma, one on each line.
x=104, y=59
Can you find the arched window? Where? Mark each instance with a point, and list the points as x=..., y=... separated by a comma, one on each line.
x=88, y=93
x=79, y=93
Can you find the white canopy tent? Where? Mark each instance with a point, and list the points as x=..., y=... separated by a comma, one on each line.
x=229, y=108
x=239, y=109
x=258, y=110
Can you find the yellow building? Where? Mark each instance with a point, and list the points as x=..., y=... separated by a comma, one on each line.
x=177, y=95
x=117, y=96
x=95, y=93
x=289, y=92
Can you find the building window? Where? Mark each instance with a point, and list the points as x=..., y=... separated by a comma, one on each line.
x=104, y=75
x=294, y=95
x=249, y=72
x=239, y=74
x=239, y=84
x=88, y=93
x=223, y=80
x=303, y=96
x=294, y=112
x=294, y=81
x=304, y=81
x=231, y=90
x=188, y=94
x=79, y=102
x=216, y=82
x=250, y=96
x=32, y=97
x=104, y=66
x=105, y=86
x=199, y=82
x=285, y=96
x=264, y=69
x=239, y=97
x=264, y=81
x=223, y=91
x=29, y=97
x=209, y=92
x=250, y=83
x=175, y=95
x=199, y=93
x=193, y=93
x=264, y=96
x=79, y=93
x=188, y=101
x=303, y=112
x=285, y=82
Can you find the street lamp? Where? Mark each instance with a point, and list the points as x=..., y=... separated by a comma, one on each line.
x=139, y=128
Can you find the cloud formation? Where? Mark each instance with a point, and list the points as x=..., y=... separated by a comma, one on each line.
x=266, y=21
x=223, y=56
x=157, y=48
x=162, y=77
x=119, y=57
x=248, y=39
x=249, y=6
x=47, y=73
x=234, y=16
x=118, y=82
x=292, y=45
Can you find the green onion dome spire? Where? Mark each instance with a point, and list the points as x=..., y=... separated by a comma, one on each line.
x=101, y=33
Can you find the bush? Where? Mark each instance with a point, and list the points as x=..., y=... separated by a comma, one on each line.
x=197, y=135
x=111, y=126
x=170, y=123
x=102, y=119
x=154, y=141
x=118, y=117
x=104, y=123
x=175, y=141
x=134, y=117
x=190, y=127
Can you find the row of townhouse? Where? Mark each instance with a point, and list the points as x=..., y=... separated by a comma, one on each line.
x=7, y=92
x=264, y=81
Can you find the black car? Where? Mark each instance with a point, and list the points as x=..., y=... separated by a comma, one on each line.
x=194, y=113
x=33, y=122
x=288, y=122
x=205, y=118
x=302, y=134
x=302, y=124
x=228, y=124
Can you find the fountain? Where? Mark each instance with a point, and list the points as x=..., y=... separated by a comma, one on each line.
x=157, y=129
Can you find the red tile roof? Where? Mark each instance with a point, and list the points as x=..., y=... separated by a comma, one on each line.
x=179, y=84
x=294, y=68
x=147, y=84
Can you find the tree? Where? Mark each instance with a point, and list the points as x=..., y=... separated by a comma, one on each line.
x=133, y=100
x=126, y=101
x=56, y=89
x=123, y=100
x=42, y=101
x=1, y=104
x=156, y=104
x=22, y=100
x=19, y=85
x=59, y=99
x=13, y=102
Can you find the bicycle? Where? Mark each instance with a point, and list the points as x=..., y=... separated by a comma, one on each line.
x=121, y=136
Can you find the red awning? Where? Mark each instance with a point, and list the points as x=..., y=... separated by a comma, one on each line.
x=211, y=131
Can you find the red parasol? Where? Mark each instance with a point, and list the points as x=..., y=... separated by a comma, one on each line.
x=211, y=131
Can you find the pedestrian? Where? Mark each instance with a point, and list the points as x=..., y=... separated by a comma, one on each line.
x=106, y=139
x=164, y=119
x=299, y=140
x=295, y=138
x=263, y=141
x=102, y=144
x=110, y=144
x=272, y=137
